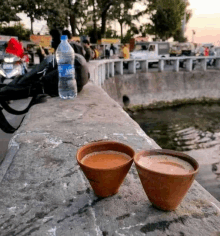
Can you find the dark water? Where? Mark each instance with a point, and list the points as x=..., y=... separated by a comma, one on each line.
x=192, y=129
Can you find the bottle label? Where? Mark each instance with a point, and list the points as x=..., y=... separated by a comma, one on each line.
x=66, y=70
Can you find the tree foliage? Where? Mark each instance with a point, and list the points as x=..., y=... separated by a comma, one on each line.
x=16, y=30
x=120, y=12
x=8, y=11
x=56, y=13
x=33, y=8
x=166, y=17
x=84, y=16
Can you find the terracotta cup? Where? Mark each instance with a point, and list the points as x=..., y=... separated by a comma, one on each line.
x=105, y=182
x=165, y=191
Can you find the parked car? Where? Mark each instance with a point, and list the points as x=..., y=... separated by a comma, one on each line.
x=151, y=51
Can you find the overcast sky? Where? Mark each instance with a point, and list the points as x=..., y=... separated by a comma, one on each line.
x=205, y=21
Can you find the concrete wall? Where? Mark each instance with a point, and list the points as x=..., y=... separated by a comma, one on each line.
x=44, y=192
x=147, y=88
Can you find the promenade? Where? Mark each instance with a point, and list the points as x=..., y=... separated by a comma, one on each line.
x=44, y=192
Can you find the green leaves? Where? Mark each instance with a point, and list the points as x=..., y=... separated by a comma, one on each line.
x=8, y=11
x=16, y=30
x=166, y=17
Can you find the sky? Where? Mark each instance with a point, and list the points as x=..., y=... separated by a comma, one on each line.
x=205, y=21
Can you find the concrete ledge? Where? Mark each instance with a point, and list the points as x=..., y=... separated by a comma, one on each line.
x=43, y=191
x=149, y=88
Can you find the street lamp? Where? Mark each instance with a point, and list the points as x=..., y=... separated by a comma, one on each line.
x=193, y=33
x=184, y=21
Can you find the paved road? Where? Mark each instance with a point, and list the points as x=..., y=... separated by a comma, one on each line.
x=14, y=120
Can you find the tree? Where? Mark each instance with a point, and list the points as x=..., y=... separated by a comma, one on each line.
x=80, y=14
x=76, y=13
x=179, y=35
x=130, y=34
x=104, y=6
x=8, y=11
x=56, y=14
x=121, y=12
x=16, y=30
x=34, y=9
x=166, y=17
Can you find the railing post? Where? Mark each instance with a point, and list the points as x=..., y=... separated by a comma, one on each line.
x=217, y=63
x=99, y=75
x=96, y=75
x=144, y=66
x=103, y=73
x=119, y=67
x=189, y=64
x=161, y=65
x=111, y=69
x=176, y=65
x=132, y=67
x=204, y=64
x=107, y=70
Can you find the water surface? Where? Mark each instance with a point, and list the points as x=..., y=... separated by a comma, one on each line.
x=192, y=129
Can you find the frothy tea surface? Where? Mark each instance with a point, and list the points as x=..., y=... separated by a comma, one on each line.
x=105, y=159
x=166, y=164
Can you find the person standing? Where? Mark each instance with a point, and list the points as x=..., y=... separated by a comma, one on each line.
x=88, y=51
x=41, y=53
x=107, y=52
x=112, y=50
x=76, y=46
x=125, y=52
x=212, y=52
x=206, y=52
x=56, y=35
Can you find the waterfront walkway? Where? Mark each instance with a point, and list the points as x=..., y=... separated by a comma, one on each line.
x=44, y=192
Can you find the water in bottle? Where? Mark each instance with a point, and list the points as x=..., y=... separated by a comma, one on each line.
x=65, y=57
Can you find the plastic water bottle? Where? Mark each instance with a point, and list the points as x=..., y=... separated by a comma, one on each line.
x=65, y=57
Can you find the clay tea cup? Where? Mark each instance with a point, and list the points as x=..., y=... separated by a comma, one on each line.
x=166, y=176
x=105, y=164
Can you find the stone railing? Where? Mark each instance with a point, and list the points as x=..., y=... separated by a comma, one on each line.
x=112, y=67
x=44, y=192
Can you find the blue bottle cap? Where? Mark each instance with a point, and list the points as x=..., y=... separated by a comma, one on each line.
x=64, y=37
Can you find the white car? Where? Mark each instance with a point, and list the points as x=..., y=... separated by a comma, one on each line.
x=151, y=51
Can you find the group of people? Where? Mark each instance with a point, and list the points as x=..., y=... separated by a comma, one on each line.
x=206, y=51
x=90, y=52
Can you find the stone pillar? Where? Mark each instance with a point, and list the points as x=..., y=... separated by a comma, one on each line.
x=161, y=65
x=111, y=69
x=176, y=65
x=107, y=70
x=144, y=66
x=103, y=73
x=132, y=67
x=204, y=64
x=189, y=64
x=119, y=67
x=99, y=75
x=217, y=63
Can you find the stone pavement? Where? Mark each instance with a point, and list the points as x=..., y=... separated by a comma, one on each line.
x=44, y=192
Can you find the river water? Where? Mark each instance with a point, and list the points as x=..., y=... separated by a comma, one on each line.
x=192, y=129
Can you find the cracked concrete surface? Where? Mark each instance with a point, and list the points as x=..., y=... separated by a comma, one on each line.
x=44, y=192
